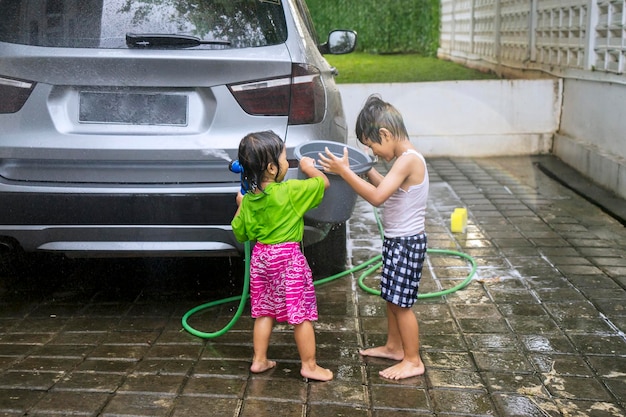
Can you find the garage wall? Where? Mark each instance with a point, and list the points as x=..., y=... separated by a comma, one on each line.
x=592, y=135
x=469, y=118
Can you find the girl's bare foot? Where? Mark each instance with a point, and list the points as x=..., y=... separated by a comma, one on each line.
x=318, y=374
x=404, y=369
x=383, y=352
x=262, y=366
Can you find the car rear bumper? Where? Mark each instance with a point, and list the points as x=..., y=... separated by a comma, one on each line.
x=127, y=224
x=173, y=207
x=121, y=241
x=89, y=224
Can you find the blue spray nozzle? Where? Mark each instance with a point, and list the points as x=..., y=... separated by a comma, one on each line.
x=235, y=166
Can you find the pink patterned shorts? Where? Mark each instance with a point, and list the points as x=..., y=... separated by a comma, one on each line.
x=281, y=283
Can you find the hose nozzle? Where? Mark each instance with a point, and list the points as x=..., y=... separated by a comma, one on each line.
x=235, y=166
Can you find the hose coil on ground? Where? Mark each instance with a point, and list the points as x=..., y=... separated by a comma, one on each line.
x=372, y=266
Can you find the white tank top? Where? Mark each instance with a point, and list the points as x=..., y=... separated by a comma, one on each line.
x=404, y=212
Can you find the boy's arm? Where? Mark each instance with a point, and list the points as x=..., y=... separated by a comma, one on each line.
x=374, y=176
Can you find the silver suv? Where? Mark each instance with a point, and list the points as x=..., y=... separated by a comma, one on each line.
x=119, y=119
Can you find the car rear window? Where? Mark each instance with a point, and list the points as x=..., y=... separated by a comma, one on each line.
x=105, y=23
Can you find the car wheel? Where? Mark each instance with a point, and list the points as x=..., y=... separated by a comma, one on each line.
x=328, y=257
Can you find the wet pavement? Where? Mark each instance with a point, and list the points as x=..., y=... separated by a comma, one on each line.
x=538, y=332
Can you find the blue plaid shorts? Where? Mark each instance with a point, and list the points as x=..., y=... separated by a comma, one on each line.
x=403, y=259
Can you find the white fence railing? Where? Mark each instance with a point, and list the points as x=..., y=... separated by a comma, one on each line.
x=580, y=42
x=580, y=38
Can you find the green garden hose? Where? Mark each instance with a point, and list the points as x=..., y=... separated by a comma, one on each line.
x=241, y=298
x=373, y=265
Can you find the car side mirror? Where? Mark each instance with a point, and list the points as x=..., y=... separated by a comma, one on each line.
x=339, y=42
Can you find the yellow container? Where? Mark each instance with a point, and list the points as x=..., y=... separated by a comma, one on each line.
x=458, y=220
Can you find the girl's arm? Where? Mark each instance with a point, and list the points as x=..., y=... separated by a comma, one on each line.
x=307, y=165
x=238, y=199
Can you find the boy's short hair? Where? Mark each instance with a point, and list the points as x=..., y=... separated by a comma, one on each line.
x=377, y=114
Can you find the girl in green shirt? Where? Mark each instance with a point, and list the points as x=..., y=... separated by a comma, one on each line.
x=271, y=213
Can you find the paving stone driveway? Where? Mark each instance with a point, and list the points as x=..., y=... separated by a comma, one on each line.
x=538, y=332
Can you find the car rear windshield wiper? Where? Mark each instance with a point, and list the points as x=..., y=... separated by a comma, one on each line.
x=155, y=40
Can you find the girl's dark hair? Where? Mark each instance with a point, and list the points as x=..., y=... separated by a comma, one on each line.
x=256, y=151
x=377, y=114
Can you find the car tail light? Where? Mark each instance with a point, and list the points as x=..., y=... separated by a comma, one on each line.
x=300, y=96
x=14, y=94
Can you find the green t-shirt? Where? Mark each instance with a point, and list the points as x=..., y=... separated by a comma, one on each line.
x=275, y=216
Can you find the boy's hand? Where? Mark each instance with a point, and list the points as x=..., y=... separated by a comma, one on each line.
x=334, y=164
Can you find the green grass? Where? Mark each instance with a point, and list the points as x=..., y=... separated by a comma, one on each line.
x=359, y=67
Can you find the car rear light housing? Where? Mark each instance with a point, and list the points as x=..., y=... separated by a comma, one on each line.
x=301, y=96
x=14, y=94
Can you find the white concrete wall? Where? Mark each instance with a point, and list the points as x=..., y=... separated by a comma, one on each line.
x=592, y=136
x=469, y=118
x=539, y=38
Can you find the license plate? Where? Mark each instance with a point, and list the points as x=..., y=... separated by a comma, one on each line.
x=133, y=108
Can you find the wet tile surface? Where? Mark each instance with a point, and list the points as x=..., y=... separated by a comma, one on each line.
x=539, y=331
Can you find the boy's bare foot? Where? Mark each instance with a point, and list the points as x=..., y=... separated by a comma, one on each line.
x=404, y=369
x=383, y=352
x=318, y=374
x=262, y=366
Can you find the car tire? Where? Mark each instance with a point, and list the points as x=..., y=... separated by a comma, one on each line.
x=328, y=257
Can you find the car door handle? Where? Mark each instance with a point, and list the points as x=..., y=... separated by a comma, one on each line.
x=334, y=71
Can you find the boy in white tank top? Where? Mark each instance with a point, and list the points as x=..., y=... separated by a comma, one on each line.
x=403, y=192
